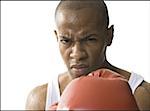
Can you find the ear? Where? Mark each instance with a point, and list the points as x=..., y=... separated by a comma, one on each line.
x=56, y=34
x=110, y=35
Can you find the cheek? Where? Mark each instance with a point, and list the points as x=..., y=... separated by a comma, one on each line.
x=64, y=53
x=96, y=54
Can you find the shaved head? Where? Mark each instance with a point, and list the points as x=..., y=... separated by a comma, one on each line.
x=98, y=6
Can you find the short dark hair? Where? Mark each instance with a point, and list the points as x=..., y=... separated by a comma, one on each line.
x=79, y=4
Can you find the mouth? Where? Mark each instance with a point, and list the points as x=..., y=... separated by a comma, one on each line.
x=79, y=69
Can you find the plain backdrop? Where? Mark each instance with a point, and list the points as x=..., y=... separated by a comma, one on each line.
x=29, y=49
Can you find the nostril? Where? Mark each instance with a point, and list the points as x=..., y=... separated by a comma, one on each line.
x=76, y=55
x=79, y=54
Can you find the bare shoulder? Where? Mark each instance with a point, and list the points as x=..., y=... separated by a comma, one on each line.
x=146, y=85
x=142, y=96
x=37, y=98
x=63, y=81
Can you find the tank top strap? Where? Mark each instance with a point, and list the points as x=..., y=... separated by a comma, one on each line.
x=134, y=81
x=53, y=92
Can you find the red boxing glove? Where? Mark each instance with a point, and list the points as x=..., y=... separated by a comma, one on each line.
x=100, y=90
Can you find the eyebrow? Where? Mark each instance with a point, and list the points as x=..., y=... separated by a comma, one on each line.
x=64, y=37
x=87, y=36
x=82, y=38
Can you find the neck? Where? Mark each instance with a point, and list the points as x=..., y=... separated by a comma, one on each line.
x=122, y=72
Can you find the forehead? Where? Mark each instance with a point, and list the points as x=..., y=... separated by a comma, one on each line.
x=83, y=19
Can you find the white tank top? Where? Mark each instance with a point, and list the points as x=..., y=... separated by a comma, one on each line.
x=53, y=92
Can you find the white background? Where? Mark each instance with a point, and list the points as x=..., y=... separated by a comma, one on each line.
x=29, y=49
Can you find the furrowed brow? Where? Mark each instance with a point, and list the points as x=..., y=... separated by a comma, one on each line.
x=87, y=36
x=64, y=37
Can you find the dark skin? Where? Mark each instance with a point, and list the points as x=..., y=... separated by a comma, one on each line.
x=83, y=40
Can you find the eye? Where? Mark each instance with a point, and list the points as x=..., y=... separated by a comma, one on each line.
x=91, y=39
x=65, y=40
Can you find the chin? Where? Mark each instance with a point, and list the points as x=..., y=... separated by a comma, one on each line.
x=76, y=75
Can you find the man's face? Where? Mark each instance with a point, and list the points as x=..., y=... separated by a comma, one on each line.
x=82, y=40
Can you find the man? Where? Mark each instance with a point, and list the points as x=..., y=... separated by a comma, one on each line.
x=83, y=36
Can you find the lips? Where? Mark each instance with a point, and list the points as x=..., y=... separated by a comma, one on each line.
x=79, y=69
x=78, y=66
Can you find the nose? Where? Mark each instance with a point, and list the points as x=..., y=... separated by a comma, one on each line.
x=78, y=52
